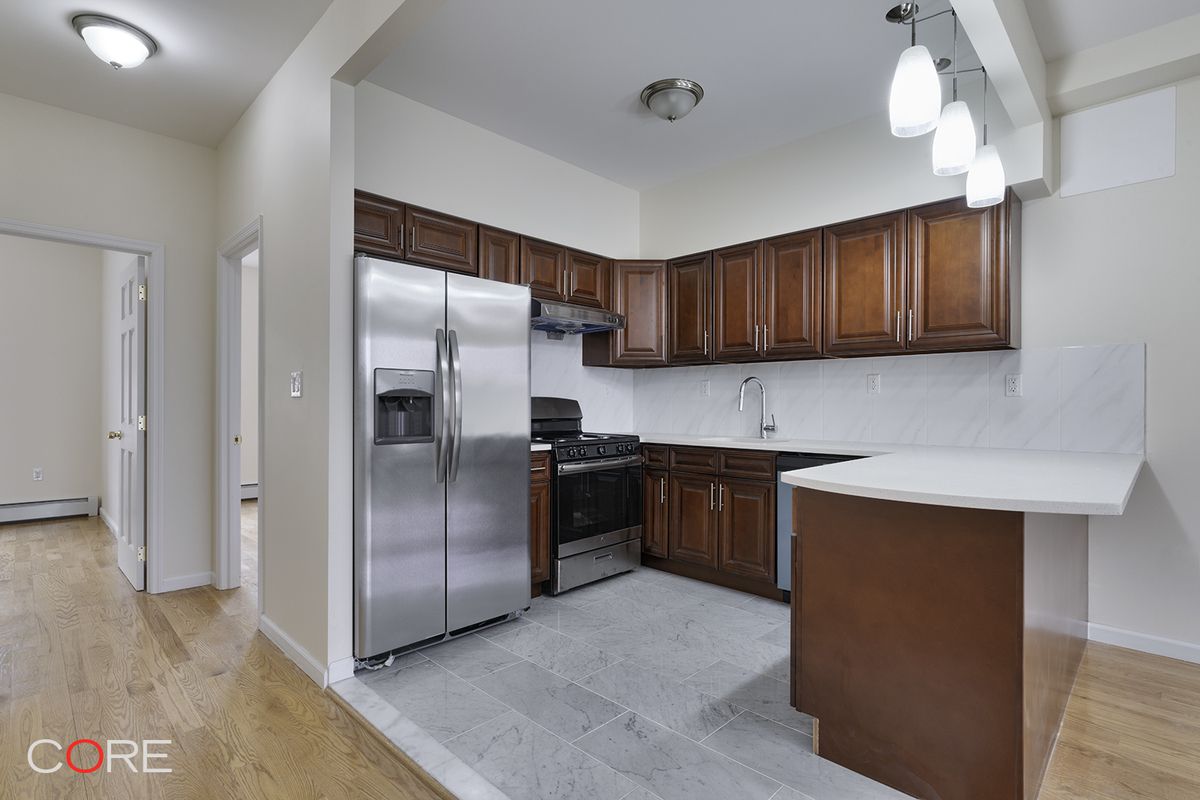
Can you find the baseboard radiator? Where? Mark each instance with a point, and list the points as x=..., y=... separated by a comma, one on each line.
x=49, y=509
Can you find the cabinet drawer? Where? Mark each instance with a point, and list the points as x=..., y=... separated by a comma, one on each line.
x=747, y=464
x=656, y=455
x=539, y=467
x=694, y=459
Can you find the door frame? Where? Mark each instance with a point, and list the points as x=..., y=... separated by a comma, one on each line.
x=155, y=333
x=228, y=574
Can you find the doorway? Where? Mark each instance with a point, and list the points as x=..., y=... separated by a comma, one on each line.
x=120, y=404
x=241, y=492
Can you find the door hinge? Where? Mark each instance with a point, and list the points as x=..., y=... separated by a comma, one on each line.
x=142, y=422
x=237, y=439
x=141, y=552
x=142, y=292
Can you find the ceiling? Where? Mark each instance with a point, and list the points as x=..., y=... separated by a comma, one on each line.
x=564, y=78
x=214, y=57
x=1068, y=26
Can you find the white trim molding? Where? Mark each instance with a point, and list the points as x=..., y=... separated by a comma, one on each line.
x=1146, y=643
x=156, y=405
x=292, y=649
x=108, y=521
x=340, y=670
x=174, y=584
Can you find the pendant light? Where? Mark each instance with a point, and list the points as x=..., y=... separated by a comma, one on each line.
x=916, y=96
x=985, y=181
x=954, y=142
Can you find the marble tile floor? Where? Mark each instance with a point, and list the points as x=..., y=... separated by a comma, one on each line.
x=645, y=685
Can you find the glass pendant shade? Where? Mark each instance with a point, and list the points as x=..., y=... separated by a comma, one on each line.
x=954, y=142
x=985, y=181
x=916, y=97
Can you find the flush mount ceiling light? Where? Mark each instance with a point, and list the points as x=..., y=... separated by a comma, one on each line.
x=116, y=43
x=954, y=142
x=672, y=98
x=916, y=97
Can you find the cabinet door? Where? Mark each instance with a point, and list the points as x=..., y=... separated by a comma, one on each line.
x=640, y=294
x=747, y=528
x=378, y=225
x=689, y=296
x=792, y=296
x=864, y=286
x=737, y=301
x=441, y=241
x=958, y=276
x=692, y=533
x=656, y=511
x=539, y=531
x=544, y=269
x=499, y=255
x=587, y=280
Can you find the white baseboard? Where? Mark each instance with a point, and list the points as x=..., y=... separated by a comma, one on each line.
x=341, y=669
x=249, y=491
x=1159, y=646
x=178, y=582
x=109, y=522
x=301, y=657
x=49, y=509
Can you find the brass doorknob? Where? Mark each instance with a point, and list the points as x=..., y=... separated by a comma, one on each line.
x=115, y=435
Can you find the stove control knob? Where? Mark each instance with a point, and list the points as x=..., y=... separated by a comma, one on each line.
x=602, y=450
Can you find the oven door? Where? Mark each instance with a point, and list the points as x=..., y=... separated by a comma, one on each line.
x=596, y=504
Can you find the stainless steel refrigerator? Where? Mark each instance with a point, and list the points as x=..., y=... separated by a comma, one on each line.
x=441, y=454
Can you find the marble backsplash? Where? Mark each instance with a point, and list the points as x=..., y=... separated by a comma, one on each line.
x=1083, y=399
x=605, y=395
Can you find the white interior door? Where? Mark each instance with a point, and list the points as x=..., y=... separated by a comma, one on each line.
x=131, y=477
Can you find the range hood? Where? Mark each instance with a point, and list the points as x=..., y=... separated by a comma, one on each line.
x=558, y=319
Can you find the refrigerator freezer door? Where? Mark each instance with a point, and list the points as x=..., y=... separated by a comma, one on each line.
x=399, y=516
x=487, y=511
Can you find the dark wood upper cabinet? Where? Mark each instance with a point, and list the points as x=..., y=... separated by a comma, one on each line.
x=441, y=241
x=499, y=255
x=587, y=280
x=747, y=528
x=544, y=268
x=378, y=225
x=864, y=286
x=639, y=292
x=692, y=534
x=792, y=285
x=655, y=512
x=689, y=298
x=737, y=299
x=961, y=274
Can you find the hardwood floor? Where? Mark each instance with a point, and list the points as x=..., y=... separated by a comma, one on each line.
x=84, y=656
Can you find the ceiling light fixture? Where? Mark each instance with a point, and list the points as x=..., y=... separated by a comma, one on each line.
x=916, y=96
x=116, y=43
x=954, y=142
x=672, y=98
x=985, y=181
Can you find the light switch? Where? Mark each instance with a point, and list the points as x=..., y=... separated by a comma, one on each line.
x=37, y=473
x=298, y=383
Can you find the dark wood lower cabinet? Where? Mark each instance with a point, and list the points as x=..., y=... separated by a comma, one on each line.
x=747, y=528
x=539, y=520
x=656, y=511
x=693, y=527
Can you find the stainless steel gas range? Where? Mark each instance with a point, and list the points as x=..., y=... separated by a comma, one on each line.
x=595, y=496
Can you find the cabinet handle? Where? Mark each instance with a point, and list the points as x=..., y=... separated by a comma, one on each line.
x=706, y=343
x=566, y=283
x=662, y=491
x=721, y=500
x=712, y=496
x=898, y=315
x=910, y=323
x=766, y=340
x=756, y=338
x=412, y=238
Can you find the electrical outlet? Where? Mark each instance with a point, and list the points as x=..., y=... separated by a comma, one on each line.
x=297, y=383
x=37, y=473
x=705, y=389
x=1012, y=385
x=874, y=383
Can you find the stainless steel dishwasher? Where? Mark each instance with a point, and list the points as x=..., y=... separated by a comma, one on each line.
x=786, y=462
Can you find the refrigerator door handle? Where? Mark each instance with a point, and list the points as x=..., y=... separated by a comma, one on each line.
x=441, y=431
x=456, y=383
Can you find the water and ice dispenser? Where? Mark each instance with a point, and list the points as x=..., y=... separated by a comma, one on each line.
x=404, y=406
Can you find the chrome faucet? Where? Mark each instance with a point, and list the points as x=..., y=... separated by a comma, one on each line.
x=763, y=427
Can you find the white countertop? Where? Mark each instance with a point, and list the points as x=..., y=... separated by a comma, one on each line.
x=967, y=477
x=538, y=447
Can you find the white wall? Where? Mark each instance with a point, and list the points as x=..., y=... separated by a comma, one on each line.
x=71, y=170
x=114, y=266
x=50, y=363
x=249, y=426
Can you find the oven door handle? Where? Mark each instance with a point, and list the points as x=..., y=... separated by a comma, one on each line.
x=576, y=467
